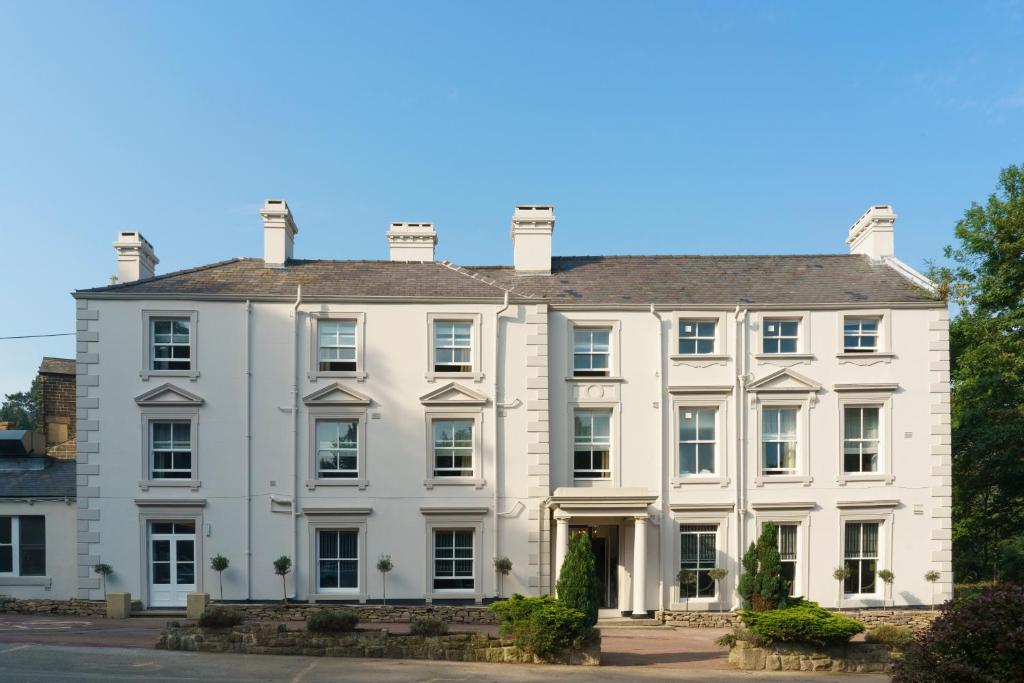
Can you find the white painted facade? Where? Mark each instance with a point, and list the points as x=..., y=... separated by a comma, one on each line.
x=253, y=393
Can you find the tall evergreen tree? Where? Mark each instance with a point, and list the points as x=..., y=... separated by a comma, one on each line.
x=762, y=586
x=577, y=582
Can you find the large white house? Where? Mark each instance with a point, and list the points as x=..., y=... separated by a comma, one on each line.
x=447, y=415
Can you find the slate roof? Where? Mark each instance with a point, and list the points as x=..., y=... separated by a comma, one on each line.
x=594, y=280
x=36, y=477
x=57, y=366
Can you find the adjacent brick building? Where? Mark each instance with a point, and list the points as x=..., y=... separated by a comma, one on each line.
x=57, y=406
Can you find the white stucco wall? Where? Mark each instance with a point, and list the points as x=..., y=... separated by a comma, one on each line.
x=60, y=580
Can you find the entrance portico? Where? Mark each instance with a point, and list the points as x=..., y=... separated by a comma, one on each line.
x=613, y=517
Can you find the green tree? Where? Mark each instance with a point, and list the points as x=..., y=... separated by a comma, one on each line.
x=282, y=566
x=985, y=283
x=762, y=586
x=384, y=565
x=104, y=570
x=219, y=563
x=22, y=408
x=577, y=582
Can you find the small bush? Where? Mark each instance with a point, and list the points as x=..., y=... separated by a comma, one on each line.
x=542, y=626
x=896, y=637
x=977, y=639
x=744, y=634
x=802, y=622
x=427, y=626
x=220, y=617
x=329, y=620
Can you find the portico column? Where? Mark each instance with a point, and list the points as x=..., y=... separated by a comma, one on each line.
x=639, y=566
x=561, y=542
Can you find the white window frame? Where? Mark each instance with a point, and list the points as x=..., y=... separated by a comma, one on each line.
x=803, y=341
x=707, y=530
x=330, y=413
x=611, y=444
x=683, y=398
x=335, y=519
x=720, y=354
x=883, y=352
x=796, y=514
x=148, y=317
x=169, y=413
x=769, y=333
x=607, y=370
x=153, y=450
x=781, y=439
x=863, y=396
x=454, y=518
x=358, y=559
x=313, y=330
x=614, y=328
x=701, y=514
x=475, y=416
x=802, y=401
x=476, y=339
x=473, y=559
x=882, y=512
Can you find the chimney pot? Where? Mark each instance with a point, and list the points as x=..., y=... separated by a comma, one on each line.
x=279, y=232
x=136, y=259
x=872, y=234
x=411, y=242
x=532, y=227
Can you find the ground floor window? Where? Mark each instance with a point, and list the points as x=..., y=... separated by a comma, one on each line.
x=337, y=559
x=453, y=559
x=861, y=557
x=788, y=553
x=697, y=555
x=23, y=545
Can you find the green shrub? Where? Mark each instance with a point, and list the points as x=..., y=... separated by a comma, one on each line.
x=801, y=622
x=330, y=620
x=542, y=626
x=744, y=634
x=577, y=582
x=427, y=626
x=220, y=617
x=761, y=585
x=896, y=637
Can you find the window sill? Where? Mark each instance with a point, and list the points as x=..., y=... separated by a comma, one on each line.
x=845, y=479
x=357, y=375
x=699, y=360
x=12, y=581
x=313, y=484
x=872, y=358
x=761, y=480
x=697, y=480
x=338, y=596
x=193, y=375
x=855, y=600
x=793, y=358
x=596, y=378
x=454, y=481
x=592, y=481
x=191, y=484
x=476, y=596
x=475, y=376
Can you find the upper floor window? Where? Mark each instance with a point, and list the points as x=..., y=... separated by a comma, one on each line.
x=453, y=560
x=453, y=346
x=592, y=444
x=23, y=546
x=697, y=441
x=860, y=335
x=337, y=454
x=860, y=439
x=453, y=448
x=696, y=337
x=860, y=555
x=779, y=441
x=337, y=345
x=171, y=344
x=170, y=449
x=780, y=336
x=697, y=556
x=591, y=352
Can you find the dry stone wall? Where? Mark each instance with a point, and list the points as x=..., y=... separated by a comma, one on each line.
x=382, y=614
x=846, y=658
x=916, y=620
x=68, y=608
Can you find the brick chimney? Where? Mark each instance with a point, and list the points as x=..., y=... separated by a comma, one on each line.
x=411, y=242
x=532, y=227
x=872, y=234
x=279, y=232
x=136, y=259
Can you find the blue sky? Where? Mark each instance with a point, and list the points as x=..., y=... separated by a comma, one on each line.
x=671, y=127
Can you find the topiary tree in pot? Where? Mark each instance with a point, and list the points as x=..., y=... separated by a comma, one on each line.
x=384, y=565
x=686, y=578
x=931, y=577
x=104, y=570
x=716, y=574
x=887, y=578
x=503, y=566
x=282, y=566
x=840, y=574
x=761, y=586
x=219, y=563
x=577, y=585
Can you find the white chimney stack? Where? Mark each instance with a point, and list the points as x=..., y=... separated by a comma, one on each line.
x=136, y=259
x=532, y=227
x=411, y=242
x=278, y=233
x=872, y=234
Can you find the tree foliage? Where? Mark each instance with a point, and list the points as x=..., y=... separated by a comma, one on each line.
x=577, y=583
x=986, y=285
x=762, y=586
x=22, y=408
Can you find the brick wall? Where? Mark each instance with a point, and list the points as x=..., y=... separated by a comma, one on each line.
x=57, y=398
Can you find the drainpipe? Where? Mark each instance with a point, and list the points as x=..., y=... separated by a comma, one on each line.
x=295, y=440
x=662, y=481
x=497, y=407
x=247, y=443
x=741, y=434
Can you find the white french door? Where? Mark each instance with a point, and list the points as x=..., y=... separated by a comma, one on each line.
x=172, y=563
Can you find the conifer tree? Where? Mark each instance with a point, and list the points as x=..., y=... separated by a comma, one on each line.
x=577, y=582
x=762, y=586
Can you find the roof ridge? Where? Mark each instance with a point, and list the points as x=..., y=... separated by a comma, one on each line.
x=173, y=273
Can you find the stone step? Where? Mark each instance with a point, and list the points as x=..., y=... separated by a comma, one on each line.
x=628, y=622
x=159, y=613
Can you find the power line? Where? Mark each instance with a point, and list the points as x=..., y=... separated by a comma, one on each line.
x=34, y=336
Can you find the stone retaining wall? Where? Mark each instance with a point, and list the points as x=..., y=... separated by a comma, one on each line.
x=271, y=639
x=699, y=619
x=848, y=658
x=68, y=608
x=386, y=614
x=916, y=620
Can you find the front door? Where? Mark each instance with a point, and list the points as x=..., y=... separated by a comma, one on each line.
x=172, y=563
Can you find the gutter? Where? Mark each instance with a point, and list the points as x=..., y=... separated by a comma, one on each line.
x=497, y=444
x=741, y=433
x=247, y=444
x=665, y=461
x=295, y=438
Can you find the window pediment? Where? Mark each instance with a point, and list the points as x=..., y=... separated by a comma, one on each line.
x=453, y=394
x=784, y=380
x=168, y=395
x=336, y=394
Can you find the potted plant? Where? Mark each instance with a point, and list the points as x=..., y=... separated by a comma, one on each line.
x=931, y=577
x=384, y=565
x=219, y=563
x=503, y=566
x=282, y=566
x=104, y=570
x=716, y=574
x=840, y=574
x=686, y=578
x=887, y=577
